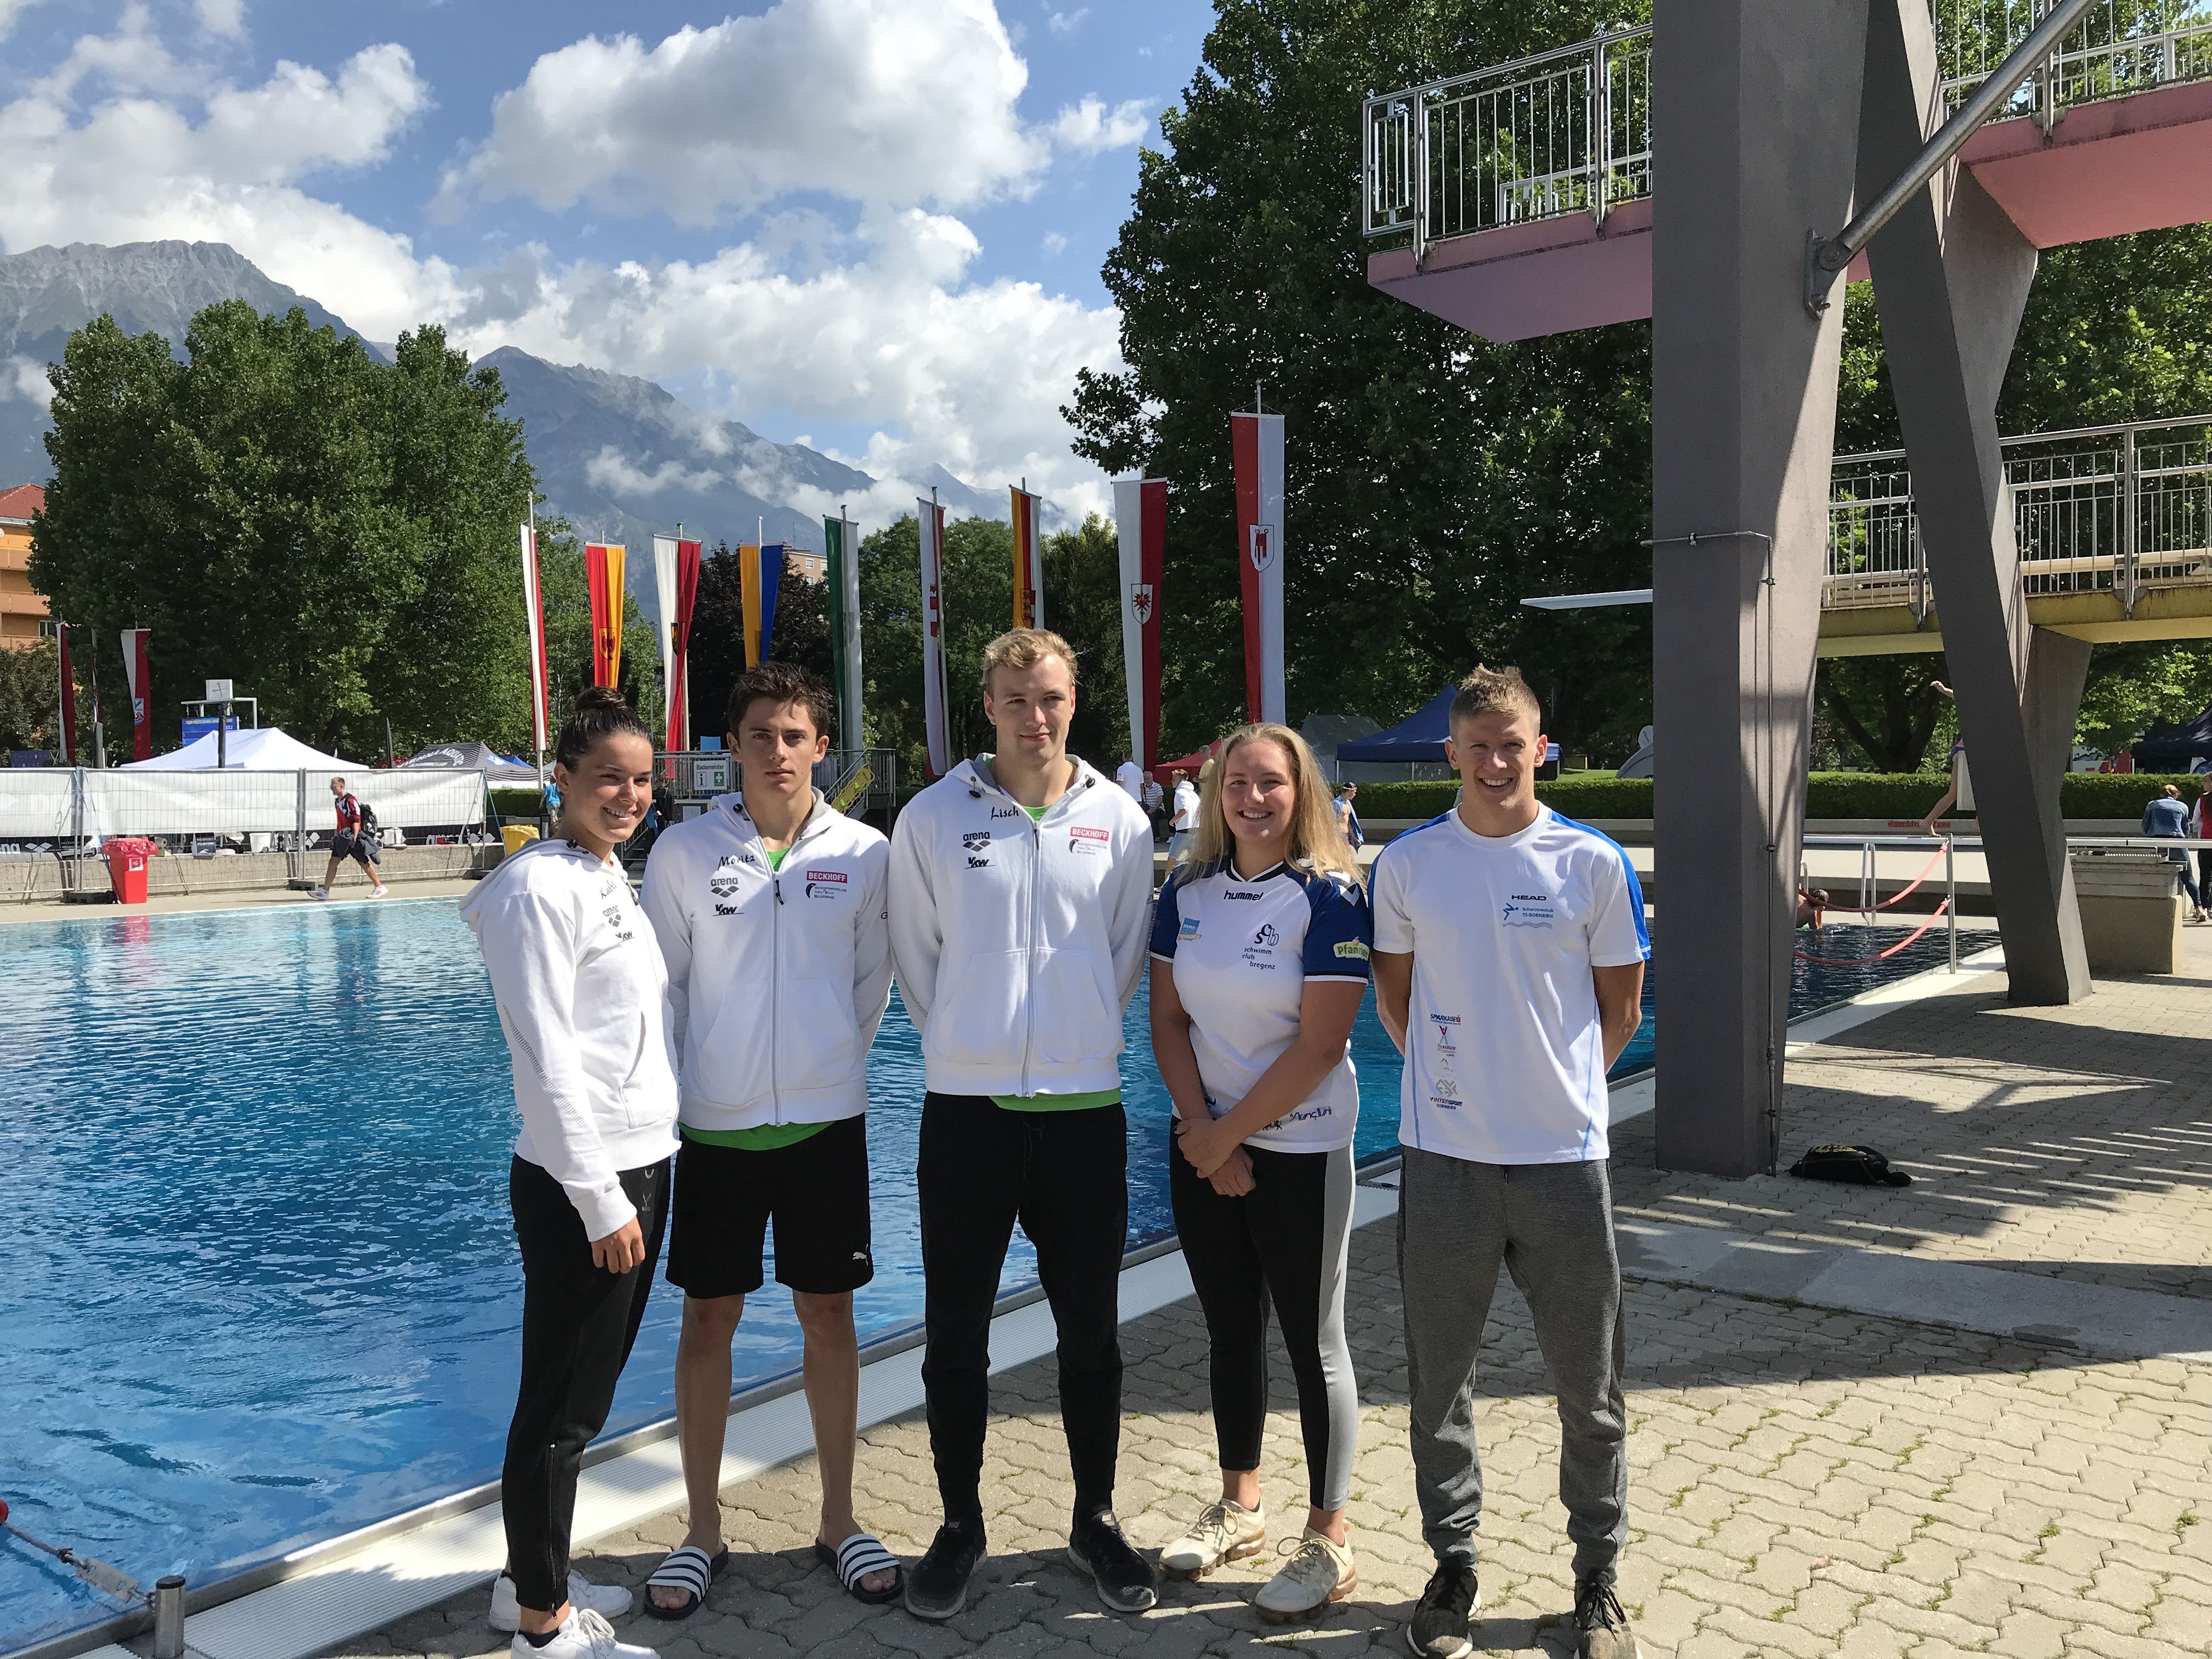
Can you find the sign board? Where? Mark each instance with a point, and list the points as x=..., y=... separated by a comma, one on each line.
x=218, y=691
x=1551, y=753
x=710, y=774
x=855, y=787
x=197, y=727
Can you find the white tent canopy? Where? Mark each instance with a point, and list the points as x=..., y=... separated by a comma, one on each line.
x=264, y=749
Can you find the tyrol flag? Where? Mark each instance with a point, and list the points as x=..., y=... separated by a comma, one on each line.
x=1256, y=444
x=841, y=540
x=603, y=572
x=1140, y=514
x=533, y=623
x=931, y=521
x=676, y=581
x=68, y=697
x=760, y=574
x=141, y=692
x=1029, y=562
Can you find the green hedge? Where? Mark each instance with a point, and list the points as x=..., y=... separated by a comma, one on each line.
x=517, y=803
x=1828, y=795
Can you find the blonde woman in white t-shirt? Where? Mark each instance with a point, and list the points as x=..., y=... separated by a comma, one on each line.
x=1259, y=958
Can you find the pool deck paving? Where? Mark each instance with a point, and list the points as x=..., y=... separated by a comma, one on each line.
x=1953, y=1418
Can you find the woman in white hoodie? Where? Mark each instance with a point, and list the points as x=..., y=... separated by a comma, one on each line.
x=582, y=996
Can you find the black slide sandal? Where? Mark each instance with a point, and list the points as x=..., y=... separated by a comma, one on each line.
x=687, y=1569
x=855, y=1559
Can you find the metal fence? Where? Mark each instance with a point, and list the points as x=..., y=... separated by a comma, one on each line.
x=2121, y=509
x=66, y=814
x=1569, y=131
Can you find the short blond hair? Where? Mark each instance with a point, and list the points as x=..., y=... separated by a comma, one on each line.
x=1026, y=647
x=1495, y=691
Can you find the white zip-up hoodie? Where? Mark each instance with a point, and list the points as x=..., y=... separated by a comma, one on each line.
x=582, y=998
x=1018, y=944
x=777, y=980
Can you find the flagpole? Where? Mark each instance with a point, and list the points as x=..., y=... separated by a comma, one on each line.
x=542, y=693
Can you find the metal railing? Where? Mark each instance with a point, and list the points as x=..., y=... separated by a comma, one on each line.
x=1569, y=131
x=2122, y=509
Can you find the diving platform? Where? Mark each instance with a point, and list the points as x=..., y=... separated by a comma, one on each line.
x=1521, y=196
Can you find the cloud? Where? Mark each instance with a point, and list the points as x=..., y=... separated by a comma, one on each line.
x=1054, y=244
x=613, y=472
x=1066, y=23
x=221, y=16
x=884, y=102
x=130, y=166
x=968, y=374
x=1090, y=127
x=27, y=379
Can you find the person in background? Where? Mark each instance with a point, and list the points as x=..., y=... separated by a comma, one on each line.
x=1183, y=814
x=582, y=996
x=1960, y=794
x=351, y=841
x=1347, y=818
x=2167, y=818
x=769, y=908
x=1154, y=801
x=1261, y=945
x=1021, y=888
x=2200, y=820
x=1131, y=777
x=1509, y=945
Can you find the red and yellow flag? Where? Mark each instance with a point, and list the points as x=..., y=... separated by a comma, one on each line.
x=603, y=573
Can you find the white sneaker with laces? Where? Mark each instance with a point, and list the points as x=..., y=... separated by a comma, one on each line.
x=1319, y=1571
x=378, y=890
x=608, y=1601
x=1225, y=1531
x=582, y=1635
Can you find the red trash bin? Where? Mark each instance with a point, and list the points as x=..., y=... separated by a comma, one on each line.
x=126, y=867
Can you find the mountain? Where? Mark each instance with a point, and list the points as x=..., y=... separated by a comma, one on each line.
x=619, y=456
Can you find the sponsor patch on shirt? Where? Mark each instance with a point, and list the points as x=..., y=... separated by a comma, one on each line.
x=1529, y=910
x=837, y=876
x=1087, y=838
x=977, y=840
x=825, y=884
x=1190, y=929
x=1352, y=949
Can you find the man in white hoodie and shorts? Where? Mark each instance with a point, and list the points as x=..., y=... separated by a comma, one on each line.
x=1021, y=887
x=769, y=911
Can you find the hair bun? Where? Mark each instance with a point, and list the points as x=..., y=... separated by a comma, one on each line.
x=593, y=697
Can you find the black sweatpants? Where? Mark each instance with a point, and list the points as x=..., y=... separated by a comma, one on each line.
x=1285, y=1241
x=1064, y=1176
x=578, y=1324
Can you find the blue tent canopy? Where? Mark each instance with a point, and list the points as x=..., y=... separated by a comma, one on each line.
x=1419, y=736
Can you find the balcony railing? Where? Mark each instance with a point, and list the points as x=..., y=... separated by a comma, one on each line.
x=1568, y=131
x=2120, y=509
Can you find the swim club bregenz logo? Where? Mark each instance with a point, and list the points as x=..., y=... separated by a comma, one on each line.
x=825, y=884
x=1529, y=910
x=1260, y=952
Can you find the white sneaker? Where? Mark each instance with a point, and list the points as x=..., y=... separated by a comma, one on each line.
x=319, y=892
x=608, y=1601
x=582, y=1635
x=1224, y=1532
x=378, y=890
x=1318, y=1572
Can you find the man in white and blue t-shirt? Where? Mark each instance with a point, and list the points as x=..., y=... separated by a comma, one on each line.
x=1509, y=947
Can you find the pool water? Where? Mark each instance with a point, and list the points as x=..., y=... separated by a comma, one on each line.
x=261, y=1287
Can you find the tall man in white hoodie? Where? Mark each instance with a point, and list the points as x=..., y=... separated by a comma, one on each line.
x=1021, y=884
x=769, y=911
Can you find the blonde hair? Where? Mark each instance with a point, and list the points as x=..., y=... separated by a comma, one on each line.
x=1316, y=840
x=1026, y=647
x=1495, y=691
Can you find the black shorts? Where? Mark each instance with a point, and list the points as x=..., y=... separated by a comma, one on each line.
x=345, y=844
x=815, y=1191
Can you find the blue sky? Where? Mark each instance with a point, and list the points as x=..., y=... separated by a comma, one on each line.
x=873, y=224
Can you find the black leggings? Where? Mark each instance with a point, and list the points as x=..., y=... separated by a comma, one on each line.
x=1064, y=1175
x=1285, y=1242
x=578, y=1324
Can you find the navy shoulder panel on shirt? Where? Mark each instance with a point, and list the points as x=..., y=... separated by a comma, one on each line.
x=1339, y=938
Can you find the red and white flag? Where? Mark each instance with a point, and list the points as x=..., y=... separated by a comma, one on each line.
x=676, y=579
x=533, y=623
x=1140, y=516
x=68, y=696
x=1256, y=444
x=141, y=692
x=1029, y=562
x=930, y=517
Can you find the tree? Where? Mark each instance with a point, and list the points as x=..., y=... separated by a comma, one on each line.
x=30, y=679
x=336, y=534
x=2118, y=330
x=1435, y=479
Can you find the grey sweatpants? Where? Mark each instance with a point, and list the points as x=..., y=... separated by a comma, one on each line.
x=1551, y=1225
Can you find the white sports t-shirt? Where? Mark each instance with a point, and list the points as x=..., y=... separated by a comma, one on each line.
x=1186, y=805
x=1504, y=1053
x=1243, y=953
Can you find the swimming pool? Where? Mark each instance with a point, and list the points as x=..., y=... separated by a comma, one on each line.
x=261, y=1288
